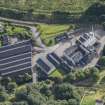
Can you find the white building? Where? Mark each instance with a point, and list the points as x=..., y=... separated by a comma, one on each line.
x=88, y=39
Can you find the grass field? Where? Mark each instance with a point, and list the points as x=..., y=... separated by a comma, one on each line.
x=16, y=30
x=49, y=32
x=56, y=73
x=52, y=30
x=88, y=100
x=92, y=96
x=13, y=30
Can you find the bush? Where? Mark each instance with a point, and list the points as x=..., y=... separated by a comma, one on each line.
x=102, y=62
x=4, y=81
x=80, y=74
x=3, y=97
x=21, y=94
x=71, y=77
x=11, y=87
x=66, y=91
x=72, y=102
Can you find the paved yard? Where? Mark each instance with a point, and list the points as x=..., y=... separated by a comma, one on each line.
x=102, y=42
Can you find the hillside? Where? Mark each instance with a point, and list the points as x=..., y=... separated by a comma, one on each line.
x=48, y=6
x=47, y=11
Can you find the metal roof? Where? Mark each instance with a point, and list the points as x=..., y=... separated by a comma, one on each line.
x=45, y=65
x=15, y=58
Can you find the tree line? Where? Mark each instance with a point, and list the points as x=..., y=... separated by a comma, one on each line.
x=94, y=14
x=42, y=93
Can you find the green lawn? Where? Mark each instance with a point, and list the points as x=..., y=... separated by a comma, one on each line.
x=52, y=30
x=12, y=30
x=56, y=73
x=88, y=100
x=91, y=97
x=49, y=32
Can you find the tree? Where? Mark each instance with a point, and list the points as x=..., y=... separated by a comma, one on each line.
x=31, y=100
x=38, y=99
x=1, y=89
x=72, y=102
x=45, y=90
x=94, y=12
x=27, y=77
x=21, y=94
x=102, y=62
x=63, y=91
x=3, y=97
x=61, y=17
x=30, y=13
x=80, y=75
x=95, y=73
x=76, y=95
x=11, y=87
x=5, y=80
x=87, y=72
x=70, y=77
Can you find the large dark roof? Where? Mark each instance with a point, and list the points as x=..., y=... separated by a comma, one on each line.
x=15, y=58
x=45, y=65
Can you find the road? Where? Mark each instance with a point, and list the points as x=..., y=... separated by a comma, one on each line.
x=17, y=21
x=36, y=37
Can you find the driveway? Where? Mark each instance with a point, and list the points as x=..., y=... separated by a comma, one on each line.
x=36, y=37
